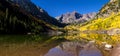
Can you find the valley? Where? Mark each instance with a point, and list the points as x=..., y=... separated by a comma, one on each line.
x=26, y=29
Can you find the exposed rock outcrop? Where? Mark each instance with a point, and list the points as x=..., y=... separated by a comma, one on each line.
x=111, y=7
x=75, y=17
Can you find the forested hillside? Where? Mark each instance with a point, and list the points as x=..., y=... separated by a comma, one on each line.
x=13, y=19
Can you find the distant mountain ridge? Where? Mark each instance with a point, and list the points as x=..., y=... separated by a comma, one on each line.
x=35, y=11
x=75, y=17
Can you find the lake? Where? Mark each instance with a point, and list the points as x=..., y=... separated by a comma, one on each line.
x=63, y=45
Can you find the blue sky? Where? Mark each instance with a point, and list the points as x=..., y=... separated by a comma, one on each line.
x=58, y=7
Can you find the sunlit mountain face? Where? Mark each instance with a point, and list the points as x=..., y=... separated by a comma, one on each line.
x=109, y=8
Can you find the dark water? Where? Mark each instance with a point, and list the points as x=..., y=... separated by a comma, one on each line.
x=65, y=45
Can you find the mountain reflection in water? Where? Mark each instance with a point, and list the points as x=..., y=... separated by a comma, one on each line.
x=74, y=49
x=65, y=45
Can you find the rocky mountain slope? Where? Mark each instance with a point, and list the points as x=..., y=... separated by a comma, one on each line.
x=112, y=7
x=36, y=11
x=108, y=18
x=75, y=17
x=15, y=20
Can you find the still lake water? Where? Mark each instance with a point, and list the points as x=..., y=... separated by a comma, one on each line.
x=64, y=45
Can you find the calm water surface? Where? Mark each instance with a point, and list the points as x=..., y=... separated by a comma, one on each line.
x=65, y=45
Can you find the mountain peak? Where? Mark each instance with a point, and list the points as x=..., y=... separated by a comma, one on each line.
x=75, y=17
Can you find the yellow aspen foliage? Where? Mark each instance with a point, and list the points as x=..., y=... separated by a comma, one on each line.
x=113, y=21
